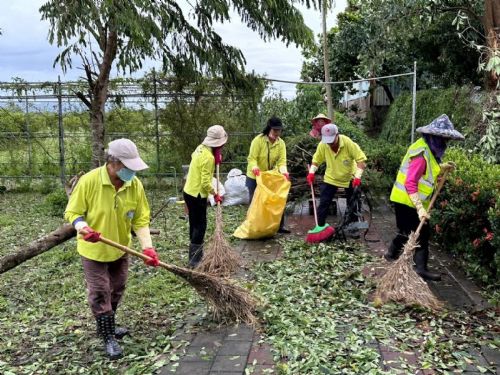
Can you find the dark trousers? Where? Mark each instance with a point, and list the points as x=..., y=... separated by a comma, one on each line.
x=327, y=193
x=197, y=212
x=251, y=184
x=105, y=284
x=407, y=221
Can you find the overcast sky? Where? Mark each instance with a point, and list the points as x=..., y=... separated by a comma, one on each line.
x=26, y=53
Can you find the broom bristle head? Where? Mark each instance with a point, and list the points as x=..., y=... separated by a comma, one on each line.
x=402, y=284
x=320, y=234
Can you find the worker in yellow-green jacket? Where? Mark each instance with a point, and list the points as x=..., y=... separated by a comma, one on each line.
x=412, y=191
x=267, y=152
x=110, y=200
x=345, y=163
x=199, y=186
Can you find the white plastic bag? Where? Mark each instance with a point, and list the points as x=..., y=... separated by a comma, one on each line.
x=235, y=190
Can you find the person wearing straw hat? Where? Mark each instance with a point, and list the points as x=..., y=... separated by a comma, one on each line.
x=267, y=152
x=110, y=200
x=317, y=123
x=345, y=164
x=198, y=187
x=413, y=188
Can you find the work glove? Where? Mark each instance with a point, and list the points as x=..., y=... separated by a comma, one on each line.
x=421, y=211
x=448, y=166
x=218, y=198
x=218, y=155
x=256, y=171
x=356, y=182
x=151, y=253
x=90, y=234
x=286, y=175
x=310, y=178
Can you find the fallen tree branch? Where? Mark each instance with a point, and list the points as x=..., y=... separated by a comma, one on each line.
x=37, y=247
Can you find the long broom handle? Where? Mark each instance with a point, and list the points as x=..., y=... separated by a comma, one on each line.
x=433, y=199
x=128, y=250
x=314, y=205
x=218, y=181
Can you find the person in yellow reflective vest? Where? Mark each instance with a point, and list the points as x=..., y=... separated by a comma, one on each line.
x=198, y=187
x=413, y=188
x=110, y=200
x=267, y=152
x=345, y=163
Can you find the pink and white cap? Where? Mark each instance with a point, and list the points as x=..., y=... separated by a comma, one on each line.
x=126, y=151
x=328, y=133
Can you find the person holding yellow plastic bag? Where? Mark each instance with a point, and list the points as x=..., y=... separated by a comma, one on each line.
x=268, y=153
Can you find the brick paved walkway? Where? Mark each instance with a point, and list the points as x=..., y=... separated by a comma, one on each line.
x=235, y=350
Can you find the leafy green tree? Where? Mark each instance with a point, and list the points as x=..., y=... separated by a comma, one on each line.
x=108, y=33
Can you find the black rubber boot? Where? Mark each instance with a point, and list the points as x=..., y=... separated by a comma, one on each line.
x=421, y=257
x=106, y=329
x=195, y=254
x=392, y=253
x=120, y=332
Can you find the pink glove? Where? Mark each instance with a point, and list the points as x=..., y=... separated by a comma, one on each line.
x=91, y=235
x=310, y=178
x=218, y=198
x=256, y=171
x=356, y=182
x=287, y=176
x=218, y=155
x=151, y=253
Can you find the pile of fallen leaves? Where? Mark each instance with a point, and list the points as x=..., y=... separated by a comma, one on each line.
x=318, y=318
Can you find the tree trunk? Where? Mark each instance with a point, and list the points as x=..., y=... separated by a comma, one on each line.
x=326, y=65
x=491, y=24
x=97, y=130
x=37, y=247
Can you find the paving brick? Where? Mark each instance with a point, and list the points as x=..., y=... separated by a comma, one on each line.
x=199, y=354
x=240, y=333
x=492, y=356
x=233, y=347
x=189, y=368
x=261, y=355
x=207, y=340
x=229, y=363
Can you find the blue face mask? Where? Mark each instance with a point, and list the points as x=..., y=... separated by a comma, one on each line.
x=126, y=174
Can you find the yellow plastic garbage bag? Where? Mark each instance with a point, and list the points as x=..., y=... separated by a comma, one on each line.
x=265, y=211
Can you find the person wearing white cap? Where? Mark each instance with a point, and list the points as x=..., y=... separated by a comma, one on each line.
x=198, y=187
x=317, y=123
x=110, y=200
x=345, y=163
x=413, y=188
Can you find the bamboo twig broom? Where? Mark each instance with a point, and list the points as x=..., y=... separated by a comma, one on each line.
x=226, y=299
x=401, y=283
x=219, y=258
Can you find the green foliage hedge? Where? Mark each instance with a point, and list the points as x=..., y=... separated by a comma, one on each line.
x=457, y=102
x=467, y=218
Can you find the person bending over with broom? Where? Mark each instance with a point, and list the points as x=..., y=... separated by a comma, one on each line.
x=413, y=188
x=199, y=185
x=110, y=200
x=317, y=123
x=345, y=163
x=267, y=152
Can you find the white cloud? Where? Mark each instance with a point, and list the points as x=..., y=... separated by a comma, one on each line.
x=26, y=53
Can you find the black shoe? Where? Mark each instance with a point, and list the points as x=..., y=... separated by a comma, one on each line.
x=121, y=332
x=284, y=231
x=426, y=275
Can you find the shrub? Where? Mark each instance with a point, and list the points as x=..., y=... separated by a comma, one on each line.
x=467, y=217
x=55, y=203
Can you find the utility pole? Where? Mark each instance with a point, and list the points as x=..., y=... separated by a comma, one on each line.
x=326, y=65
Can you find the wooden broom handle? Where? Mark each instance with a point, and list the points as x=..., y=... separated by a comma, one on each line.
x=218, y=182
x=314, y=205
x=433, y=199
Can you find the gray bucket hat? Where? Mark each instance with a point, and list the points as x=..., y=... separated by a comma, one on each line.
x=216, y=136
x=442, y=127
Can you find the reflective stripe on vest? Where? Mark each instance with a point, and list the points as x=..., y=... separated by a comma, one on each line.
x=425, y=183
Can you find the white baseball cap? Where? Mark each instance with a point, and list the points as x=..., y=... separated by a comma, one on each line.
x=328, y=133
x=126, y=151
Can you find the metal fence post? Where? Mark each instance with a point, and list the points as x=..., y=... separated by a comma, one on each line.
x=28, y=136
x=61, y=132
x=414, y=102
x=155, y=101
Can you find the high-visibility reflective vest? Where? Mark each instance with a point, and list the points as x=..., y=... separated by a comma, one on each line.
x=427, y=181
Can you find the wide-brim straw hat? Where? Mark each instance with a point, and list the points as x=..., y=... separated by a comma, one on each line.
x=442, y=127
x=216, y=136
x=321, y=116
